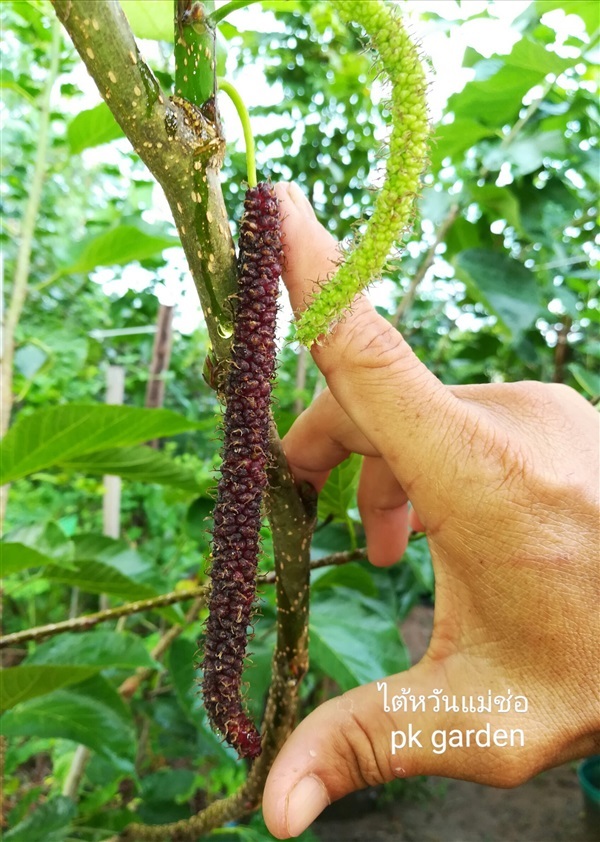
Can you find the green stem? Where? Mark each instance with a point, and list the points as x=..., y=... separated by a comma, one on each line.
x=220, y=14
x=195, y=51
x=244, y=116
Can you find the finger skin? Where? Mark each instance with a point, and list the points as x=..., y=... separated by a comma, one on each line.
x=368, y=365
x=383, y=507
x=504, y=480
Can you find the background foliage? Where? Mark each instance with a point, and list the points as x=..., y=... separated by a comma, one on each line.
x=496, y=283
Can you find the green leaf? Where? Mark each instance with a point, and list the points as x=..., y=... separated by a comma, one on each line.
x=150, y=20
x=495, y=96
x=497, y=203
x=115, y=553
x=526, y=154
x=100, y=649
x=339, y=492
x=46, y=538
x=352, y=576
x=504, y=286
x=90, y=713
x=26, y=682
x=50, y=822
x=139, y=464
x=97, y=577
x=350, y=658
x=181, y=659
x=586, y=9
x=92, y=128
x=418, y=558
x=48, y=436
x=588, y=380
x=9, y=83
x=453, y=139
x=117, y=247
x=16, y=557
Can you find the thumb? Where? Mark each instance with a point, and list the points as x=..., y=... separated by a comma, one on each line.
x=402, y=408
x=357, y=740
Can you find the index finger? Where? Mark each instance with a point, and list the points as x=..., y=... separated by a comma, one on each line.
x=396, y=402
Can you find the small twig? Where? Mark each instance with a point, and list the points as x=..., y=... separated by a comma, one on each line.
x=409, y=295
x=88, y=621
x=561, y=350
x=126, y=691
x=129, y=687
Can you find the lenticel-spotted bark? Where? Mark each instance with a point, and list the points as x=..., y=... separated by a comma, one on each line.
x=237, y=515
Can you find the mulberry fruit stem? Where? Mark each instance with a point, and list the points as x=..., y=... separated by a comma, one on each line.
x=237, y=515
x=242, y=111
x=398, y=61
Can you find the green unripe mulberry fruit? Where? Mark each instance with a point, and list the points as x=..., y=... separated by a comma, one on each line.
x=398, y=59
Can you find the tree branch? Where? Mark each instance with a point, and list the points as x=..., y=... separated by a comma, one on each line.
x=182, y=147
x=88, y=621
x=409, y=296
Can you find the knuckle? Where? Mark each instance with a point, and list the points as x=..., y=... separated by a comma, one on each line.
x=366, y=764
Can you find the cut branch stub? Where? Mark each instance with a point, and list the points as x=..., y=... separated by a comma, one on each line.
x=237, y=515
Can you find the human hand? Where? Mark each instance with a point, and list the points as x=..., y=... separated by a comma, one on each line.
x=503, y=478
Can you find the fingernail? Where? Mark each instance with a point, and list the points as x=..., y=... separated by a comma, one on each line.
x=305, y=802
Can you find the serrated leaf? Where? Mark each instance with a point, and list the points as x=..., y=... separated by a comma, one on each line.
x=92, y=127
x=48, y=436
x=505, y=287
x=139, y=464
x=352, y=659
x=339, y=492
x=90, y=713
x=50, y=822
x=26, y=682
x=100, y=649
x=117, y=247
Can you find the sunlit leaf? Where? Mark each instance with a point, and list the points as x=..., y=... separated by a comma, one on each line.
x=117, y=247
x=150, y=20
x=92, y=128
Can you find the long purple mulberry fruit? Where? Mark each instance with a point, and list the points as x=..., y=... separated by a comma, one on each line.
x=237, y=515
